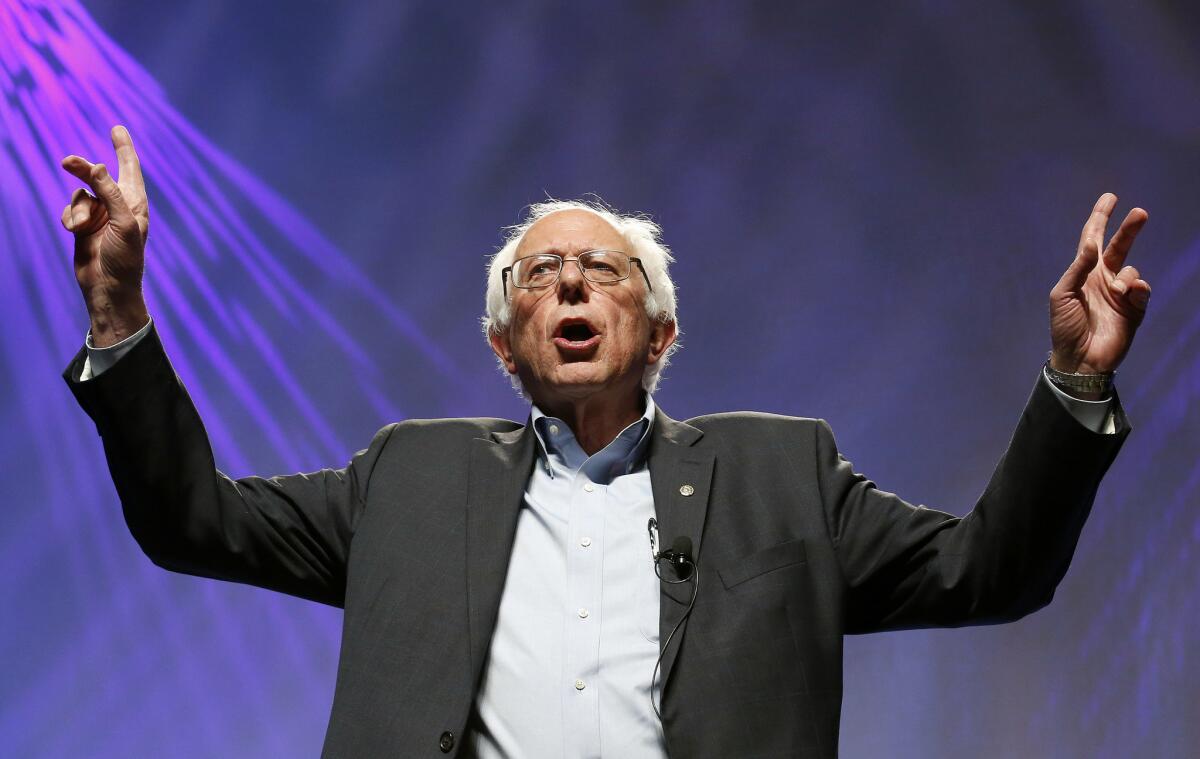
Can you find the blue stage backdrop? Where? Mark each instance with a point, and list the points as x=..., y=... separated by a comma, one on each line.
x=869, y=203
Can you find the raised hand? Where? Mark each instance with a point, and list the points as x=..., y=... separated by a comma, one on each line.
x=110, y=227
x=1097, y=305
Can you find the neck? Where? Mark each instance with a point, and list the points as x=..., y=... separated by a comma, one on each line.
x=598, y=419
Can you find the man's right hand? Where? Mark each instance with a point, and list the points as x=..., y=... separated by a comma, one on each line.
x=110, y=226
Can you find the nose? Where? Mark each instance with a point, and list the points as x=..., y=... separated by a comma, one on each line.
x=572, y=287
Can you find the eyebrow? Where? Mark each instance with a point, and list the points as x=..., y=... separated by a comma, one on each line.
x=558, y=252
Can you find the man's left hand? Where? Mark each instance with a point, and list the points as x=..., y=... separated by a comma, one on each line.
x=1098, y=304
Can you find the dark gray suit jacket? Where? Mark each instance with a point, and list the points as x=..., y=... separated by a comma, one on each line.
x=413, y=538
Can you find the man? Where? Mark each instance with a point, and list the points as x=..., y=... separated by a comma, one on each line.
x=501, y=582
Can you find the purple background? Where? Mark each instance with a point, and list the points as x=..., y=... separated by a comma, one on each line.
x=868, y=202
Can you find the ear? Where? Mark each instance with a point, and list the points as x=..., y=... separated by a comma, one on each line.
x=502, y=349
x=662, y=337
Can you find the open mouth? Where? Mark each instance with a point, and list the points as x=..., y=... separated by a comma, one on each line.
x=576, y=335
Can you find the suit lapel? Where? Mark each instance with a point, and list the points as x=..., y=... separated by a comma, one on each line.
x=499, y=472
x=680, y=478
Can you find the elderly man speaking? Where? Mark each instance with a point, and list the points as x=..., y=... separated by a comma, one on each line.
x=602, y=580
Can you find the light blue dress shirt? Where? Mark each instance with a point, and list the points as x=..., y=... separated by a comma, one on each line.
x=576, y=637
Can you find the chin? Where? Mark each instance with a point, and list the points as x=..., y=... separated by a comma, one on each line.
x=573, y=380
x=579, y=375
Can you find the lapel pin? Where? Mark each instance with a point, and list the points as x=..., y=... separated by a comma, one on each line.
x=686, y=490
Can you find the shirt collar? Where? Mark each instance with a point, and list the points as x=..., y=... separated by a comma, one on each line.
x=621, y=456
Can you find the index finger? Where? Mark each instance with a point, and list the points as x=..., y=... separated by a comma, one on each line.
x=1094, y=227
x=127, y=159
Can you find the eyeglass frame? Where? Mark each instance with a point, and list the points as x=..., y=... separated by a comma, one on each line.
x=505, y=272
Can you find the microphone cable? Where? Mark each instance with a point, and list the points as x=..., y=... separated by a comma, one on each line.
x=679, y=556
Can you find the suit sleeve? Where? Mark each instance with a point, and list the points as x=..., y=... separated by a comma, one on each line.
x=907, y=566
x=290, y=534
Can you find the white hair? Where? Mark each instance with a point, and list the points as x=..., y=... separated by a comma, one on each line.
x=644, y=239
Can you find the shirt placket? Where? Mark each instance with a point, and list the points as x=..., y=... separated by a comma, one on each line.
x=582, y=615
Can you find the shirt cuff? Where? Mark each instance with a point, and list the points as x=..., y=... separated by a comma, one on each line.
x=100, y=360
x=1097, y=416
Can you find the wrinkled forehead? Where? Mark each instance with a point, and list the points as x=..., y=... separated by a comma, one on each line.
x=570, y=232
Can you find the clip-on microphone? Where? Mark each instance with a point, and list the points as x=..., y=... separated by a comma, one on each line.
x=679, y=558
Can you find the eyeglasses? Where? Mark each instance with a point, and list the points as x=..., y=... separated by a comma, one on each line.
x=602, y=267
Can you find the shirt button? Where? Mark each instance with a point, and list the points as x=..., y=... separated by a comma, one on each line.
x=554, y=429
x=585, y=542
x=589, y=487
x=583, y=613
x=580, y=685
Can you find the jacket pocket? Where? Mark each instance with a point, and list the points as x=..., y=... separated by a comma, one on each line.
x=761, y=562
